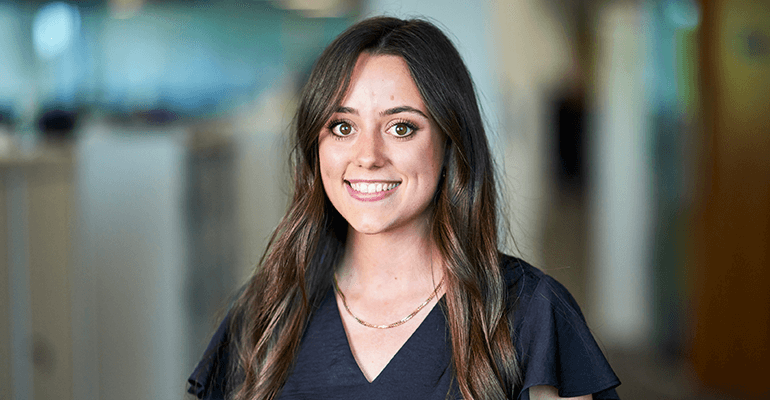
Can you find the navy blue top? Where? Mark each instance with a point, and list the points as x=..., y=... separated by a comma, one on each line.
x=553, y=347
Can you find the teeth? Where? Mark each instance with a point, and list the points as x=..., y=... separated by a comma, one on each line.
x=372, y=187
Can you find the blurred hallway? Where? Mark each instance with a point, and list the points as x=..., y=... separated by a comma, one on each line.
x=143, y=169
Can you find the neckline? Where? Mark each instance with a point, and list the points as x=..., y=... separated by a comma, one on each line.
x=340, y=328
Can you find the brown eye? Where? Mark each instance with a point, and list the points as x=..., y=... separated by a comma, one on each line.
x=402, y=130
x=342, y=129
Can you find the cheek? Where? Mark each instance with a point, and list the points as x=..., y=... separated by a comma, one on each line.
x=437, y=161
x=324, y=158
x=328, y=165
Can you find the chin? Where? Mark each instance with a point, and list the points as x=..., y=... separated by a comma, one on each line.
x=368, y=228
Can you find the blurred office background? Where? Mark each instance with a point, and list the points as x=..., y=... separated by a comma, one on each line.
x=143, y=166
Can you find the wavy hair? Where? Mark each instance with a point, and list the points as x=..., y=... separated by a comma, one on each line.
x=295, y=272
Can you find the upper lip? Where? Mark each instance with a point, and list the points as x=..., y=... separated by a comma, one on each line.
x=372, y=181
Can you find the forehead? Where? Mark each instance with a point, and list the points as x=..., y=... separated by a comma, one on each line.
x=382, y=79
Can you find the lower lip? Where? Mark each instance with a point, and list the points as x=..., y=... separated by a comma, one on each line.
x=370, y=196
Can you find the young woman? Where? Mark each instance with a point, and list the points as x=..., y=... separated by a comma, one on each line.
x=383, y=280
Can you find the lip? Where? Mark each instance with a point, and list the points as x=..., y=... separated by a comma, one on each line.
x=368, y=197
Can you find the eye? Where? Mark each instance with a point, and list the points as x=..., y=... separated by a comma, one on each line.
x=341, y=128
x=402, y=129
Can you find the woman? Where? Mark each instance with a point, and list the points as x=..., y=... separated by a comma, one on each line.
x=384, y=280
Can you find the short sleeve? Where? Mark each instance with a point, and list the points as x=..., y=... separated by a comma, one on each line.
x=553, y=342
x=208, y=380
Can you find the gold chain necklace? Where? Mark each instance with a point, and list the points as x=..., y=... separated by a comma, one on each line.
x=395, y=324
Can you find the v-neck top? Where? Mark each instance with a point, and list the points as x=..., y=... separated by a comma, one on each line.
x=326, y=368
x=553, y=344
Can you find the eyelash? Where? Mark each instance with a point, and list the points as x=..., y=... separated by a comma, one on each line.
x=412, y=127
x=333, y=124
x=409, y=125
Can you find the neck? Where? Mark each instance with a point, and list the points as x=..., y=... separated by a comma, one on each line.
x=392, y=262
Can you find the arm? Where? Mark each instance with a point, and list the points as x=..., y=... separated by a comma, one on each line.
x=550, y=393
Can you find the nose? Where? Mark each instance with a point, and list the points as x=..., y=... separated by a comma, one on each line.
x=370, y=149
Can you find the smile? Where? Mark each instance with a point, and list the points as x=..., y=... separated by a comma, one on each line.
x=371, y=187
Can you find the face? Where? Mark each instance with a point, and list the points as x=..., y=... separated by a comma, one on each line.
x=380, y=154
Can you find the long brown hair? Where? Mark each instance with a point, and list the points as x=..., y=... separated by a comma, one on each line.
x=270, y=315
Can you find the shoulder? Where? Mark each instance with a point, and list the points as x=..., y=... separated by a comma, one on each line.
x=530, y=287
x=554, y=345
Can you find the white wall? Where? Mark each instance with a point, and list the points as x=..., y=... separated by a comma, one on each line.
x=621, y=198
x=128, y=305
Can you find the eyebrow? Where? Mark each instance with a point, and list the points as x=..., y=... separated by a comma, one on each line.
x=390, y=111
